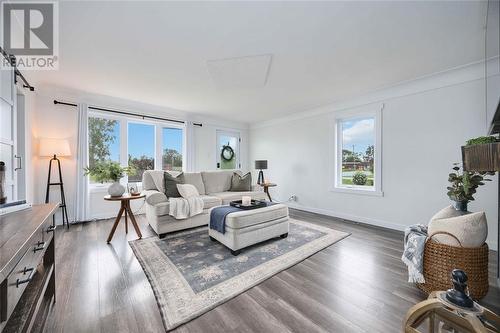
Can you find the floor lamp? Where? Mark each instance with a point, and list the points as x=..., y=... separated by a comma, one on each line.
x=56, y=148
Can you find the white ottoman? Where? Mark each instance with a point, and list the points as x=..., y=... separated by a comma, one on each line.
x=249, y=227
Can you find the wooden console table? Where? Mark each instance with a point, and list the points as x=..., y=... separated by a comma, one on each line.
x=27, y=268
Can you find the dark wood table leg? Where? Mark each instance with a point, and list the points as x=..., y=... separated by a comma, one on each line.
x=120, y=213
x=126, y=213
x=134, y=222
x=266, y=189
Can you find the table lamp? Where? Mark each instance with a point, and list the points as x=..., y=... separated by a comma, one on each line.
x=55, y=148
x=261, y=165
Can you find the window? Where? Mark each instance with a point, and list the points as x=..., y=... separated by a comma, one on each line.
x=143, y=145
x=104, y=141
x=172, y=149
x=357, y=160
x=141, y=149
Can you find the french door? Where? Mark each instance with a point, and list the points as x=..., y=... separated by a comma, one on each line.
x=228, y=150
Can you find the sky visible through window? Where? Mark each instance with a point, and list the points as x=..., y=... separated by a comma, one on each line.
x=140, y=143
x=358, y=133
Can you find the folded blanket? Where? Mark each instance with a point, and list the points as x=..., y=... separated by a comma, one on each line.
x=181, y=208
x=218, y=217
x=413, y=254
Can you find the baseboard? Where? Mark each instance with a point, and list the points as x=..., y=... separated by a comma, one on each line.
x=360, y=219
x=354, y=218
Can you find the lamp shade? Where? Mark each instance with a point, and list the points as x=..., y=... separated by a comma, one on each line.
x=51, y=147
x=261, y=164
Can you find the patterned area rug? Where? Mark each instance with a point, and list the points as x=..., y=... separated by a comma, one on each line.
x=190, y=274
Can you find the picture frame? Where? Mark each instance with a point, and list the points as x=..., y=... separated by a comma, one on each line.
x=133, y=188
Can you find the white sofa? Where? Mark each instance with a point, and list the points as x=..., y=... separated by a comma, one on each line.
x=213, y=187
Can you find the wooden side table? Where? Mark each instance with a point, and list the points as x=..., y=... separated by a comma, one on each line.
x=125, y=208
x=266, y=187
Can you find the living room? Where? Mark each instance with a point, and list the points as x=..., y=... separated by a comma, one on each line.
x=249, y=166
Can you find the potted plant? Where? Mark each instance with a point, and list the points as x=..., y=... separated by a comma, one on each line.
x=464, y=185
x=482, y=153
x=109, y=171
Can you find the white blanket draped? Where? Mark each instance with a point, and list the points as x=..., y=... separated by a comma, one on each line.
x=181, y=208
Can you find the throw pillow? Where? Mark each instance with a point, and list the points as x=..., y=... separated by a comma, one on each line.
x=471, y=229
x=241, y=183
x=170, y=183
x=187, y=191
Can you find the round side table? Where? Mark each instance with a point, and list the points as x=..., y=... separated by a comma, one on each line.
x=266, y=187
x=124, y=208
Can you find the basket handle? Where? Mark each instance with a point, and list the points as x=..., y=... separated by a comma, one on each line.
x=445, y=233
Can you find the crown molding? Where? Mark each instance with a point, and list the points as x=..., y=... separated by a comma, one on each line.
x=450, y=77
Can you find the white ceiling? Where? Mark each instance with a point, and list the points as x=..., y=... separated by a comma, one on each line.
x=158, y=52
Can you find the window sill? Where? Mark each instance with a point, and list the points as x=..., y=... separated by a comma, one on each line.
x=98, y=188
x=102, y=188
x=357, y=191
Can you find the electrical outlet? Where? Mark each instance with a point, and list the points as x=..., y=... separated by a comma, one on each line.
x=292, y=198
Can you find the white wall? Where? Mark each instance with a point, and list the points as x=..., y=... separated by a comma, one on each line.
x=60, y=121
x=424, y=124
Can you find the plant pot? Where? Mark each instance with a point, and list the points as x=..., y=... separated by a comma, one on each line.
x=116, y=189
x=460, y=205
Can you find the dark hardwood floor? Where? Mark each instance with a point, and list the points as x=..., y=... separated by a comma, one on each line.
x=358, y=284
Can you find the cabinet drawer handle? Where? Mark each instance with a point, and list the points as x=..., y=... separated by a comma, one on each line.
x=39, y=246
x=26, y=270
x=51, y=228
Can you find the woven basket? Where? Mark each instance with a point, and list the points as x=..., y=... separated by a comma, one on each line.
x=441, y=259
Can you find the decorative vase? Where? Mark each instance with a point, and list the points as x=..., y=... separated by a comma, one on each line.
x=116, y=189
x=460, y=205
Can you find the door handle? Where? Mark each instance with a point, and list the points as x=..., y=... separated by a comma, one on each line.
x=19, y=163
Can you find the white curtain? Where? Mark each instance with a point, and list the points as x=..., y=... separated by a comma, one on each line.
x=82, y=160
x=190, y=147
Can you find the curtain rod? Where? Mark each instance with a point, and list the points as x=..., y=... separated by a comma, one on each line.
x=128, y=113
x=12, y=61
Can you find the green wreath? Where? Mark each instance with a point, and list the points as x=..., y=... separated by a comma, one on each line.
x=227, y=153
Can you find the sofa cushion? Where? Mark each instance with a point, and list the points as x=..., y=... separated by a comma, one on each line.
x=153, y=180
x=217, y=181
x=231, y=196
x=241, y=183
x=210, y=201
x=194, y=178
x=163, y=208
x=170, y=184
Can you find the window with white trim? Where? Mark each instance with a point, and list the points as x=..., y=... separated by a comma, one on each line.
x=142, y=144
x=104, y=141
x=357, y=153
